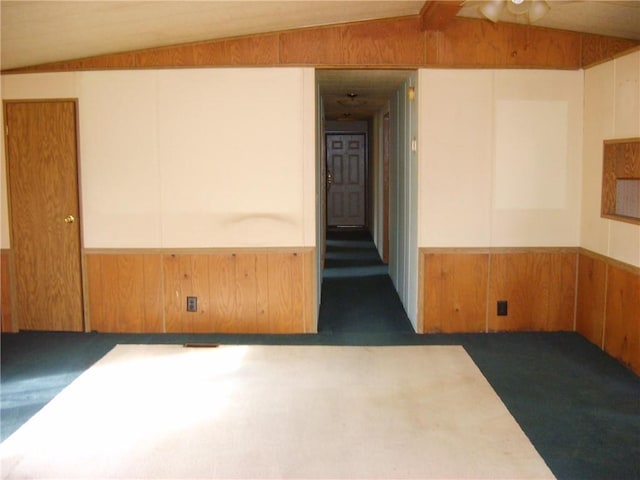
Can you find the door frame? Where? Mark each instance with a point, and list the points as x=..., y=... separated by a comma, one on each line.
x=14, y=307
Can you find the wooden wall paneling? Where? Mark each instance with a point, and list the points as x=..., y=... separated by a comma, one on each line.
x=253, y=50
x=125, y=293
x=622, y=329
x=285, y=293
x=314, y=46
x=512, y=280
x=598, y=48
x=222, y=292
x=561, y=271
x=262, y=294
x=539, y=288
x=210, y=53
x=153, y=298
x=195, y=282
x=129, y=296
x=125, y=60
x=384, y=42
x=176, y=56
x=174, y=295
x=455, y=292
x=309, y=299
x=436, y=14
x=590, y=308
x=5, y=293
x=468, y=42
x=93, y=265
x=246, y=293
x=528, y=46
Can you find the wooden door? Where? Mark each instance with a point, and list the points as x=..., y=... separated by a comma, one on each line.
x=346, y=180
x=45, y=228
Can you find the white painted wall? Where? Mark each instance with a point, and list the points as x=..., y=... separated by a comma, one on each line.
x=611, y=110
x=403, y=192
x=190, y=158
x=501, y=157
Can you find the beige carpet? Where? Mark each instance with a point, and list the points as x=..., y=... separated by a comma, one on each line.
x=165, y=411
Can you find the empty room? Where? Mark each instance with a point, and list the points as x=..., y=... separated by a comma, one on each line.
x=320, y=239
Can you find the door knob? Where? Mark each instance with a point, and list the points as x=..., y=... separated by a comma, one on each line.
x=69, y=219
x=329, y=178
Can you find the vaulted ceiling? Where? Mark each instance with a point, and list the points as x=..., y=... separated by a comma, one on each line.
x=36, y=32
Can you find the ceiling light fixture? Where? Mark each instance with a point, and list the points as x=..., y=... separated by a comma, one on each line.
x=351, y=101
x=533, y=9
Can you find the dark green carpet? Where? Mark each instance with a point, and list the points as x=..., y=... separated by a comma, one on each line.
x=357, y=292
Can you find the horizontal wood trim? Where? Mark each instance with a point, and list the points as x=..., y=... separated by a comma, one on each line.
x=239, y=290
x=480, y=250
x=387, y=43
x=194, y=251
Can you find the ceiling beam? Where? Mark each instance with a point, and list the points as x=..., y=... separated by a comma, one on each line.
x=436, y=14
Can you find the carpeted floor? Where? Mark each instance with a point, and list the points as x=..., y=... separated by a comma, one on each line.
x=164, y=411
x=357, y=292
x=579, y=407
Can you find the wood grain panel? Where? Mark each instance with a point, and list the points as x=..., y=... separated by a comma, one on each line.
x=285, y=293
x=455, y=292
x=315, y=46
x=255, y=50
x=244, y=292
x=5, y=294
x=534, y=47
x=384, y=42
x=468, y=42
x=436, y=14
x=177, y=56
x=42, y=175
x=591, y=299
x=598, y=48
x=210, y=53
x=125, y=293
x=223, y=298
x=187, y=275
x=540, y=290
x=622, y=328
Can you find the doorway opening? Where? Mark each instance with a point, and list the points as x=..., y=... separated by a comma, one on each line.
x=361, y=125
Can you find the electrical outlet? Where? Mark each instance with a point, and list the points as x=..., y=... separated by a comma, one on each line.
x=502, y=307
x=192, y=304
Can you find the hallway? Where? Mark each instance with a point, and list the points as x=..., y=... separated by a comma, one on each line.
x=357, y=293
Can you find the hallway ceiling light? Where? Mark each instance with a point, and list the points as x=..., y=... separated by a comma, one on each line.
x=351, y=101
x=533, y=9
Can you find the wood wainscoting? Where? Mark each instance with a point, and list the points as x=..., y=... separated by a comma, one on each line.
x=5, y=292
x=608, y=307
x=237, y=290
x=547, y=289
x=462, y=286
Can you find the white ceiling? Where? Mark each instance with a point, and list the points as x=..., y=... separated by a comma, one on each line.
x=36, y=32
